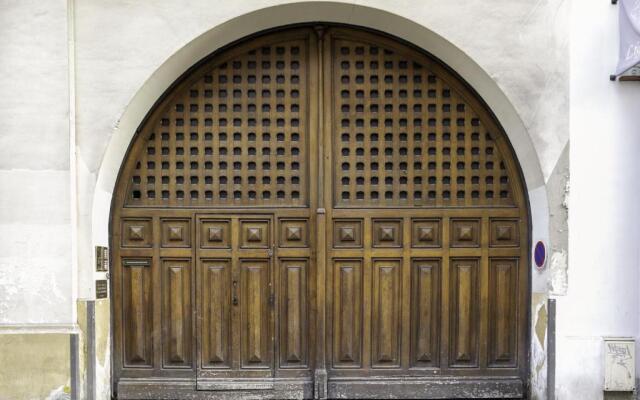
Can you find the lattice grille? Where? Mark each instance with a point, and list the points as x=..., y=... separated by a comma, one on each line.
x=403, y=137
x=236, y=136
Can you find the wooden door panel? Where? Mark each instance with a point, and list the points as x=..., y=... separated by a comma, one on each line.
x=425, y=313
x=176, y=309
x=347, y=314
x=216, y=314
x=502, y=305
x=254, y=296
x=464, y=317
x=385, y=314
x=419, y=171
x=293, y=313
x=138, y=313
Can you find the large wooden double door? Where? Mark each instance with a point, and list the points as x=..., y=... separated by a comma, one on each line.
x=320, y=212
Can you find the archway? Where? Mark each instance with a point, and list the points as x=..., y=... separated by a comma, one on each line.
x=407, y=256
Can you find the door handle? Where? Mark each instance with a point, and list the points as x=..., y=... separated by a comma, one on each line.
x=272, y=299
x=235, y=293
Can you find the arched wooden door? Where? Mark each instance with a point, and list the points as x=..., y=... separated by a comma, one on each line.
x=320, y=212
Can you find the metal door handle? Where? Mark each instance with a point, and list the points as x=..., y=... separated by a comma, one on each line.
x=272, y=299
x=235, y=293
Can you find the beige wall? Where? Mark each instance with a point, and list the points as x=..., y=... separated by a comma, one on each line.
x=34, y=367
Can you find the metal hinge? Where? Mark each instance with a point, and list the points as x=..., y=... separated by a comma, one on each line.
x=272, y=299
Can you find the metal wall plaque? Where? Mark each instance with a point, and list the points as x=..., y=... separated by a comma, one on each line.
x=102, y=289
x=619, y=364
x=102, y=259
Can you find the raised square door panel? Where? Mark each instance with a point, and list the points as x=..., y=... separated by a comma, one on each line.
x=176, y=232
x=387, y=233
x=136, y=232
x=465, y=232
x=254, y=233
x=293, y=232
x=426, y=233
x=347, y=233
x=215, y=233
x=504, y=233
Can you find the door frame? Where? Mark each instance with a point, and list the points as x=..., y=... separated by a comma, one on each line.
x=538, y=211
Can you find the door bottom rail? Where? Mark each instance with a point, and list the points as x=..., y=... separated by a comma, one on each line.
x=338, y=388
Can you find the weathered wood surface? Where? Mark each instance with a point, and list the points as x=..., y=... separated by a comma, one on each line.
x=320, y=211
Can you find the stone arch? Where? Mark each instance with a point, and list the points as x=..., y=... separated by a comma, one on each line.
x=272, y=17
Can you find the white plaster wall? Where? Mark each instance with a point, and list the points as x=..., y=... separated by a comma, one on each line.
x=604, y=232
x=35, y=268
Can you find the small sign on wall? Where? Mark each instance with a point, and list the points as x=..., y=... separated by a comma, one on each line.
x=102, y=289
x=540, y=255
x=102, y=259
x=619, y=364
x=629, y=54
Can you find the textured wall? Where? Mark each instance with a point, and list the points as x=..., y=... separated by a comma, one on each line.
x=35, y=270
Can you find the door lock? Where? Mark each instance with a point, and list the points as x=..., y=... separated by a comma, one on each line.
x=235, y=293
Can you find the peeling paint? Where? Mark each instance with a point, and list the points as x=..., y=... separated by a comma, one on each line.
x=103, y=349
x=541, y=325
x=60, y=393
x=538, y=388
x=82, y=347
x=567, y=192
x=559, y=273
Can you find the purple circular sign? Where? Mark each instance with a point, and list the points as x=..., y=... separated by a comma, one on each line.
x=540, y=254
